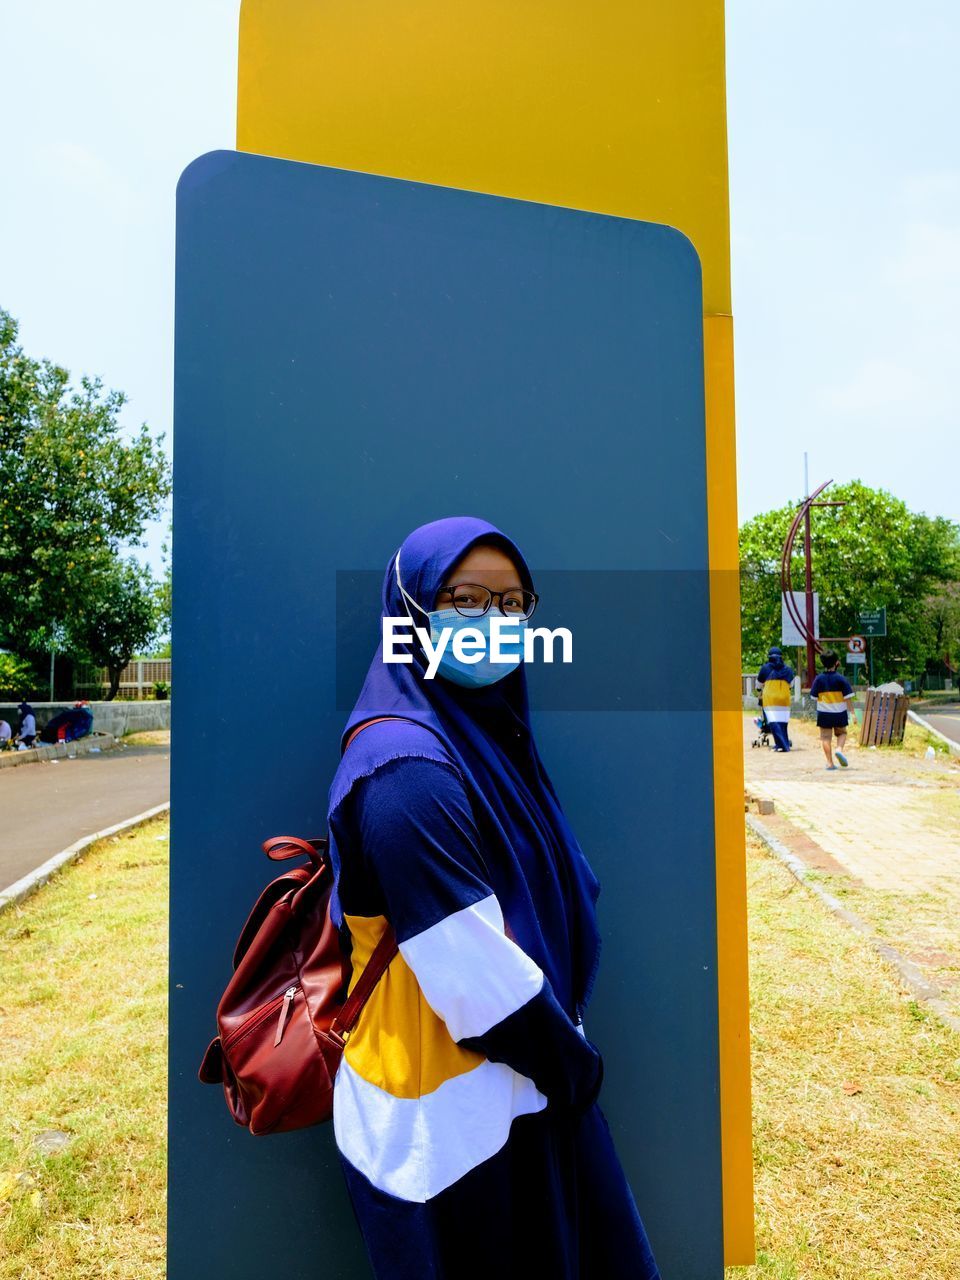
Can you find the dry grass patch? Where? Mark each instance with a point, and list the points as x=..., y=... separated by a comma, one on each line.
x=83, y=982
x=147, y=737
x=916, y=740
x=856, y=1090
x=856, y=1102
x=922, y=925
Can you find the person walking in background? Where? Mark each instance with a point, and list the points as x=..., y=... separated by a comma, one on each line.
x=774, y=680
x=834, y=696
x=27, y=733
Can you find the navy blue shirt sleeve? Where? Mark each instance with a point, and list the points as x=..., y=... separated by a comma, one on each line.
x=418, y=839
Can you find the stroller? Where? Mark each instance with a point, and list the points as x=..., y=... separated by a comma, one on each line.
x=763, y=730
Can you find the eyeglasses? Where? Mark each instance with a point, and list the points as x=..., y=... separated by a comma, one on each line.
x=473, y=601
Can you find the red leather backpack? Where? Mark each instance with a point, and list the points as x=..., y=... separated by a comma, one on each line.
x=283, y=1018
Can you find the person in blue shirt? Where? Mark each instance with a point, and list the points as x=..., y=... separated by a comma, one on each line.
x=465, y=1107
x=834, y=695
x=773, y=688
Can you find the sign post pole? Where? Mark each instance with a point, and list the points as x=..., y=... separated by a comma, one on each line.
x=873, y=623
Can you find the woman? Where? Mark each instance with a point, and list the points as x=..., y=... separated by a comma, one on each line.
x=465, y=1108
x=27, y=733
x=774, y=681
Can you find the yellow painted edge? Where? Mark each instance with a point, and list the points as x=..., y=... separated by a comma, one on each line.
x=732, y=947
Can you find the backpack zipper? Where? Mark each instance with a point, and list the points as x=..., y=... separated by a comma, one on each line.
x=261, y=1015
x=288, y=998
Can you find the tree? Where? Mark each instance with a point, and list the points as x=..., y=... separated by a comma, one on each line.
x=872, y=552
x=165, y=594
x=117, y=617
x=17, y=676
x=72, y=490
x=942, y=608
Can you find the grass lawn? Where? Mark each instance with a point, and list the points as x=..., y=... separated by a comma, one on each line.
x=856, y=1090
x=856, y=1102
x=83, y=988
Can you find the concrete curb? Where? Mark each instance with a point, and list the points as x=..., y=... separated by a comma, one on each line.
x=28, y=884
x=910, y=975
x=58, y=750
x=952, y=747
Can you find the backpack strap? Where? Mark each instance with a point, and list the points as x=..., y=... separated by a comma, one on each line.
x=366, y=725
x=280, y=848
x=376, y=966
x=383, y=952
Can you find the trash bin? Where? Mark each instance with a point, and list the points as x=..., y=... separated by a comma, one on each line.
x=884, y=718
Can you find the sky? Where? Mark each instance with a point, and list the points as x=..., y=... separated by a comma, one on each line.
x=845, y=208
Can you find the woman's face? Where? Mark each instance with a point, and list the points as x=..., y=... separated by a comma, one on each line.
x=487, y=566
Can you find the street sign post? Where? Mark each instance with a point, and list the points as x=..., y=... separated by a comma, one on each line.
x=856, y=650
x=873, y=622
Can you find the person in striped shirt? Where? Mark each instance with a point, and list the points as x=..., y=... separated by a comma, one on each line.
x=834, y=696
x=465, y=1107
x=774, y=680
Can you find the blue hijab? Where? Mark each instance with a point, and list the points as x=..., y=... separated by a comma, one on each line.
x=536, y=868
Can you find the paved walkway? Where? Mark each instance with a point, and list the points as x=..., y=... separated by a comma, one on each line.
x=889, y=834
x=46, y=807
x=886, y=832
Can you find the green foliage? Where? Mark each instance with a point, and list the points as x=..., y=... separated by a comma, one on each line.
x=17, y=676
x=943, y=615
x=164, y=590
x=116, y=617
x=73, y=491
x=872, y=552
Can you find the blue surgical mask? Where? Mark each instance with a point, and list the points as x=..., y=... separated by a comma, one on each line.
x=474, y=675
x=470, y=675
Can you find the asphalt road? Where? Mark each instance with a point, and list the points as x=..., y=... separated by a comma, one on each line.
x=48, y=807
x=946, y=720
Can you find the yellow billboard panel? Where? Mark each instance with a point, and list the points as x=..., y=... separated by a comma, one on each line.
x=617, y=107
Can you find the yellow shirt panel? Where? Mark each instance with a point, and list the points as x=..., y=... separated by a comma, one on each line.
x=399, y=1044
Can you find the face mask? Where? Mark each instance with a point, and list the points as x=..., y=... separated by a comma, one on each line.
x=471, y=675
